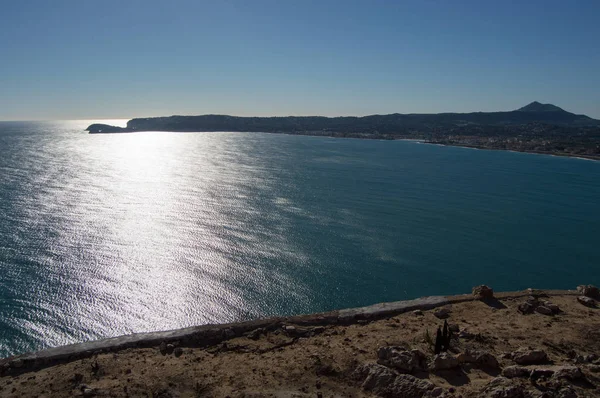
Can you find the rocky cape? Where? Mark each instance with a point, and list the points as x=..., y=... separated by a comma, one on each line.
x=535, y=128
x=532, y=343
x=393, y=124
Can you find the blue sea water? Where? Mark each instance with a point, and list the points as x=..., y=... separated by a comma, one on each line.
x=103, y=235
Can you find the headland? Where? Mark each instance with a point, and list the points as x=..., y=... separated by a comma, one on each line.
x=536, y=128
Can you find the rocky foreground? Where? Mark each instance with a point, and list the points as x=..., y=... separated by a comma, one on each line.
x=524, y=344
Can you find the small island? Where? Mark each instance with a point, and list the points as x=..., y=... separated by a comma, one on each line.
x=536, y=128
x=99, y=128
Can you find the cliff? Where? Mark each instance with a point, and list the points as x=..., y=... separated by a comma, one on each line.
x=520, y=344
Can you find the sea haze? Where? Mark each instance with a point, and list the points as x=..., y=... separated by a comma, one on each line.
x=103, y=235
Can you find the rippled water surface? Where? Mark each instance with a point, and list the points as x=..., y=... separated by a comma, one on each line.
x=102, y=235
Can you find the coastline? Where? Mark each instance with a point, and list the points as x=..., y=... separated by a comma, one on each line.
x=429, y=142
x=557, y=154
x=382, y=138
x=325, y=353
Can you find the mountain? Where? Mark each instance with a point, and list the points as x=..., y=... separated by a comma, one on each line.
x=537, y=107
x=393, y=124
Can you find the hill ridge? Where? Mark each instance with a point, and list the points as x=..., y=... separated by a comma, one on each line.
x=536, y=106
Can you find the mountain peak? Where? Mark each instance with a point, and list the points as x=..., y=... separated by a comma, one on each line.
x=538, y=107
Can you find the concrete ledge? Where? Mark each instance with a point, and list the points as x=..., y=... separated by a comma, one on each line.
x=390, y=309
x=207, y=335
x=461, y=298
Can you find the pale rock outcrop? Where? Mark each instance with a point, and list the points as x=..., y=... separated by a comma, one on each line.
x=374, y=377
x=442, y=313
x=515, y=371
x=385, y=382
x=541, y=373
x=532, y=304
x=542, y=309
x=553, y=307
x=443, y=361
x=589, y=291
x=587, y=301
x=407, y=386
x=568, y=372
x=478, y=358
x=401, y=359
x=501, y=387
x=526, y=356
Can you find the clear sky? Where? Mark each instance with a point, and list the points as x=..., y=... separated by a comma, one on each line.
x=85, y=59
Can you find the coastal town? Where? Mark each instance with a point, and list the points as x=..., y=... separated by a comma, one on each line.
x=534, y=137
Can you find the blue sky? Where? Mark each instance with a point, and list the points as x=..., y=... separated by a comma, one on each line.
x=122, y=59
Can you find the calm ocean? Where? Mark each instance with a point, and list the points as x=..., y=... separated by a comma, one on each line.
x=103, y=235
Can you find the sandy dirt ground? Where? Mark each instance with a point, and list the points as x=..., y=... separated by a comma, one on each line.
x=323, y=361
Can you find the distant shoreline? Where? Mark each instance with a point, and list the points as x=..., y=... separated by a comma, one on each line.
x=428, y=142
x=557, y=154
x=535, y=128
x=385, y=137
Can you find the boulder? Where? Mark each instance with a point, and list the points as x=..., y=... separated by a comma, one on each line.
x=401, y=359
x=409, y=386
x=542, y=309
x=169, y=349
x=515, y=371
x=418, y=312
x=501, y=387
x=587, y=301
x=533, y=304
x=566, y=392
x=465, y=357
x=479, y=358
x=442, y=313
x=551, y=306
x=589, y=291
x=541, y=373
x=385, y=382
x=163, y=348
x=88, y=392
x=568, y=372
x=443, y=361
x=529, y=357
x=374, y=377
x=591, y=357
x=487, y=360
x=483, y=292
x=526, y=308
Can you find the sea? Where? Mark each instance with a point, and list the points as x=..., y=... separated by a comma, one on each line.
x=105, y=235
